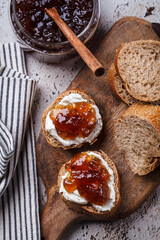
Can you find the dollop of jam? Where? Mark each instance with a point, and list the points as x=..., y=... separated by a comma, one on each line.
x=34, y=19
x=74, y=120
x=87, y=174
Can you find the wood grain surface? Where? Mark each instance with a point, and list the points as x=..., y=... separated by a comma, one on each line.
x=56, y=217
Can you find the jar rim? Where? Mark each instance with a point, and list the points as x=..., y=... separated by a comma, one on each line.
x=49, y=44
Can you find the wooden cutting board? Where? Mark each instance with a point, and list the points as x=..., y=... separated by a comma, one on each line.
x=56, y=217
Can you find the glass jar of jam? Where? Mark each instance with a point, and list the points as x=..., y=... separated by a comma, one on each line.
x=38, y=32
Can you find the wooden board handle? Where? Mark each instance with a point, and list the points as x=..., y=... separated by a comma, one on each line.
x=57, y=217
x=84, y=52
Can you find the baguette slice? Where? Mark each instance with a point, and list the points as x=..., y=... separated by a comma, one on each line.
x=50, y=139
x=138, y=65
x=137, y=135
x=89, y=209
x=118, y=88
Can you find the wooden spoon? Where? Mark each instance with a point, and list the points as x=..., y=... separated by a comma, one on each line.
x=84, y=52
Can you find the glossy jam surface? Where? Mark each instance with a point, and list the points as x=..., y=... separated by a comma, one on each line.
x=89, y=177
x=74, y=120
x=34, y=19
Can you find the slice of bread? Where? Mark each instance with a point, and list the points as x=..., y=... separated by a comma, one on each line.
x=88, y=208
x=138, y=65
x=118, y=88
x=50, y=139
x=137, y=135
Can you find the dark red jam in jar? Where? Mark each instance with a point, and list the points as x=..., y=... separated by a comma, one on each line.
x=33, y=18
x=89, y=177
x=74, y=120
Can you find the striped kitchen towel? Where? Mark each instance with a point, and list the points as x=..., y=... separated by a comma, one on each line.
x=19, y=212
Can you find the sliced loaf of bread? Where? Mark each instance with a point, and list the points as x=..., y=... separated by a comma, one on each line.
x=137, y=135
x=138, y=65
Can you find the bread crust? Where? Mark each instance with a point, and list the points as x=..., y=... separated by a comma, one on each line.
x=112, y=82
x=116, y=59
x=116, y=62
x=89, y=209
x=151, y=114
x=50, y=139
x=146, y=112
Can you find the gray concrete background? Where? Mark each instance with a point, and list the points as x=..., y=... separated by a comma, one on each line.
x=54, y=79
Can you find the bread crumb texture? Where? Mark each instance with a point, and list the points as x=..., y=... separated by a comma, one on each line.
x=137, y=135
x=138, y=64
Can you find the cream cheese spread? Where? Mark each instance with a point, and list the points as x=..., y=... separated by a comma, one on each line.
x=50, y=127
x=75, y=196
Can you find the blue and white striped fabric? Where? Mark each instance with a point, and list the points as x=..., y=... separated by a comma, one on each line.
x=6, y=148
x=19, y=212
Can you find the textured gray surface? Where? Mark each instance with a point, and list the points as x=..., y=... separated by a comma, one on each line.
x=55, y=78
